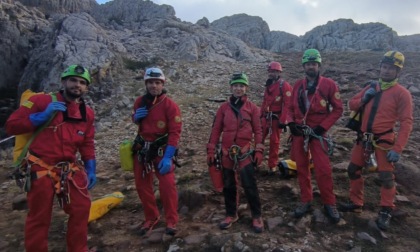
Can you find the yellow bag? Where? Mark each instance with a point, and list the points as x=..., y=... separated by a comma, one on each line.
x=126, y=155
x=102, y=206
x=21, y=140
x=287, y=167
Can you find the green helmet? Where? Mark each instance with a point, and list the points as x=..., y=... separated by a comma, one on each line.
x=77, y=70
x=239, y=78
x=311, y=55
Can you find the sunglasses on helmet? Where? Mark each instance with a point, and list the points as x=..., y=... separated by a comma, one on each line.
x=392, y=60
x=153, y=72
x=311, y=58
x=237, y=76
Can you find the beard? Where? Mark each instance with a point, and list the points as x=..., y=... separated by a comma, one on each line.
x=311, y=73
x=71, y=94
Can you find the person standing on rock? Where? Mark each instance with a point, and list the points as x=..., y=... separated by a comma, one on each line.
x=384, y=103
x=315, y=107
x=67, y=127
x=274, y=109
x=159, y=128
x=237, y=122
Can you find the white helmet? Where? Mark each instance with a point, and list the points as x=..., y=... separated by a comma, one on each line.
x=154, y=73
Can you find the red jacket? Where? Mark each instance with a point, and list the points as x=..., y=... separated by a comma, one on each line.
x=237, y=130
x=326, y=94
x=395, y=105
x=164, y=117
x=277, y=99
x=62, y=138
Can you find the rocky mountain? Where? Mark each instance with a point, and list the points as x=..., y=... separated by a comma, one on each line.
x=41, y=37
x=117, y=40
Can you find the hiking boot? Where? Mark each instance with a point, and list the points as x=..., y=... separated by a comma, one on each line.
x=332, y=213
x=384, y=218
x=171, y=230
x=227, y=223
x=350, y=207
x=272, y=171
x=302, y=209
x=148, y=226
x=258, y=225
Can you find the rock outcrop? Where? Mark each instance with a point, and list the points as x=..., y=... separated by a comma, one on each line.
x=63, y=6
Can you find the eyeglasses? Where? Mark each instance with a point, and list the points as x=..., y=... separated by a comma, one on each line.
x=154, y=72
x=79, y=69
x=72, y=79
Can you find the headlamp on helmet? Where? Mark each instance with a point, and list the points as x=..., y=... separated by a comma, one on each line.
x=311, y=55
x=240, y=78
x=77, y=70
x=154, y=73
x=394, y=58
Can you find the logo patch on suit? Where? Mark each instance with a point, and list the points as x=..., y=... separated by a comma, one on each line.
x=288, y=93
x=28, y=104
x=323, y=103
x=178, y=119
x=278, y=98
x=161, y=124
x=337, y=95
x=80, y=133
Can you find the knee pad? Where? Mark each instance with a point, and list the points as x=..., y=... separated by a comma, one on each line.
x=354, y=171
x=387, y=179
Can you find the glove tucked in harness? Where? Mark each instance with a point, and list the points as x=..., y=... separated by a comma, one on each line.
x=148, y=151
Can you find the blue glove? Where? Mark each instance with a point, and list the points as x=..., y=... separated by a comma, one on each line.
x=369, y=94
x=90, y=167
x=140, y=113
x=40, y=118
x=393, y=156
x=165, y=164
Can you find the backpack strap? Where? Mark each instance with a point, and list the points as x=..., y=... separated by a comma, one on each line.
x=25, y=149
x=281, y=87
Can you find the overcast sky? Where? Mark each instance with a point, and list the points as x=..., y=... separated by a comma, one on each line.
x=300, y=16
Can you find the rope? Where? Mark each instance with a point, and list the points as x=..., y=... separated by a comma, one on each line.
x=309, y=133
x=234, y=151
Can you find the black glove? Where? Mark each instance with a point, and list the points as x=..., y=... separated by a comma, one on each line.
x=294, y=129
x=318, y=130
x=282, y=126
x=368, y=95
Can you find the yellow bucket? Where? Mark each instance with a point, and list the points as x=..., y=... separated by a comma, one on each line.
x=102, y=206
x=126, y=155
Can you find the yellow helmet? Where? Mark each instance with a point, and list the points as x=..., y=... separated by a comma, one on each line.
x=394, y=58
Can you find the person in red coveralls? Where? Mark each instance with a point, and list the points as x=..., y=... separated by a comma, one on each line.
x=274, y=109
x=385, y=102
x=315, y=106
x=237, y=122
x=159, y=128
x=52, y=157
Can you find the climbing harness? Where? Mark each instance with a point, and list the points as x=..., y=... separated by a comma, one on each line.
x=147, y=151
x=60, y=173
